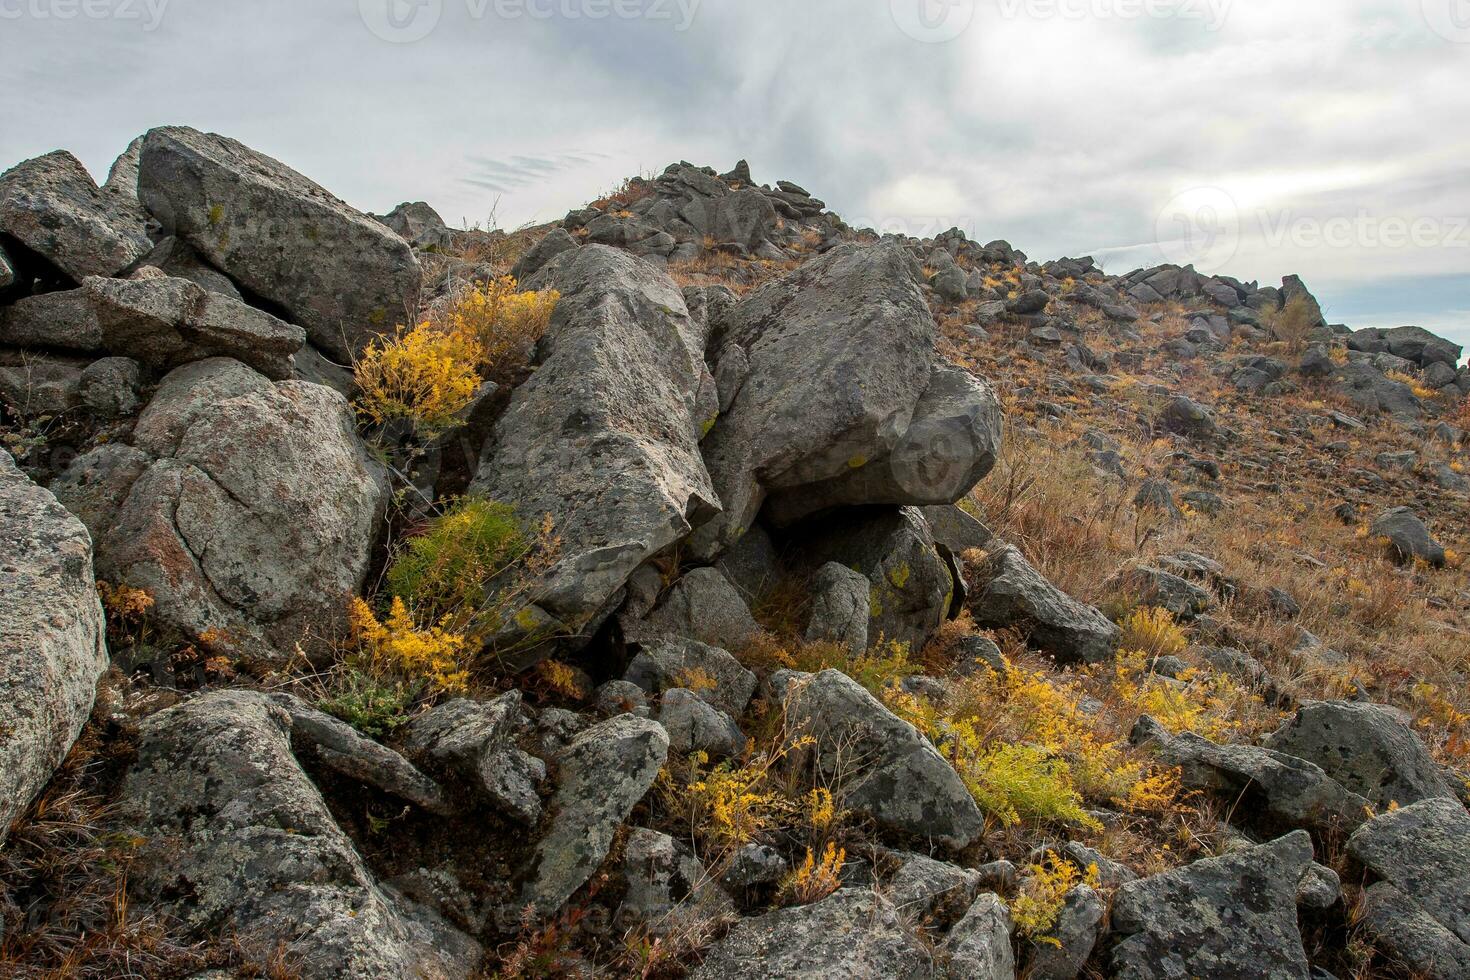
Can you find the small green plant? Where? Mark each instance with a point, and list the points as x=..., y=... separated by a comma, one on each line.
x=448, y=567
x=374, y=705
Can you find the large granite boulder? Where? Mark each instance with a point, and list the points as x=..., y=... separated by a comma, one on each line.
x=837, y=397
x=604, y=438
x=1226, y=918
x=333, y=270
x=52, y=649
x=254, y=522
x=53, y=208
x=1419, y=909
x=1008, y=592
x=885, y=769
x=161, y=321
x=1365, y=747
x=237, y=840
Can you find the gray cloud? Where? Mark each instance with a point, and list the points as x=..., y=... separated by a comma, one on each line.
x=1064, y=134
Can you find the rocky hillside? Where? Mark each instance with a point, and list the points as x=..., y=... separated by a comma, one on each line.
x=700, y=586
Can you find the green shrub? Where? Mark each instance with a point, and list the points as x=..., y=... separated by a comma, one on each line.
x=373, y=705
x=447, y=568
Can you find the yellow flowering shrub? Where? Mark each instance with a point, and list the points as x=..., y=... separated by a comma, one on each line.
x=1203, y=704
x=1038, y=905
x=1153, y=632
x=399, y=645
x=426, y=376
x=816, y=878
x=502, y=324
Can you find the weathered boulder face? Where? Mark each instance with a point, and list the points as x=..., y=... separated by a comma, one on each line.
x=1407, y=537
x=836, y=375
x=1282, y=789
x=52, y=207
x=7, y=272
x=668, y=664
x=886, y=769
x=334, y=270
x=1228, y=918
x=1411, y=343
x=255, y=520
x=911, y=587
x=1367, y=749
x=51, y=637
x=238, y=839
x=1420, y=909
x=162, y=322
x=702, y=606
x=604, y=438
x=852, y=933
x=1371, y=391
x=979, y=946
x=419, y=224
x=1008, y=592
x=604, y=772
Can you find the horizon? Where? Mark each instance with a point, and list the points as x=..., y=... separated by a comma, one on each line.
x=1244, y=139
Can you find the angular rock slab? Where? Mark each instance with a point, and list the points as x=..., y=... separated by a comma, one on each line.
x=883, y=766
x=52, y=647
x=1420, y=910
x=1227, y=918
x=605, y=771
x=237, y=839
x=1008, y=592
x=334, y=270
x=256, y=520
x=52, y=206
x=840, y=375
x=162, y=321
x=604, y=438
x=1367, y=749
x=851, y=933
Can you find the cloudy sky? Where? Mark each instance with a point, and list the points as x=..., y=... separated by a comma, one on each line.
x=1253, y=137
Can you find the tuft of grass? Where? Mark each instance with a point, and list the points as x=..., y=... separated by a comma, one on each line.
x=447, y=568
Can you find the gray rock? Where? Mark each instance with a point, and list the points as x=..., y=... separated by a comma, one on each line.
x=694, y=725
x=843, y=379
x=174, y=257
x=1292, y=288
x=122, y=176
x=1281, y=789
x=604, y=772
x=469, y=744
x=337, y=272
x=851, y=933
x=955, y=529
x=752, y=564
x=979, y=946
x=1187, y=418
x=903, y=784
x=754, y=866
x=1227, y=918
x=1110, y=873
x=34, y=385
x=1368, y=389
x=96, y=483
x=1420, y=910
x=7, y=272
x=420, y=224
x=702, y=606
x=605, y=436
x=1158, y=496
x=839, y=609
x=1366, y=748
x=668, y=887
x=619, y=698
x=1008, y=593
x=923, y=889
x=912, y=588
x=341, y=748
x=1407, y=536
x=950, y=284
x=256, y=520
x=672, y=663
x=555, y=242
x=52, y=647
x=111, y=387
x=51, y=206
x=1078, y=927
x=161, y=321
x=1164, y=590
x=237, y=839
x=1320, y=890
